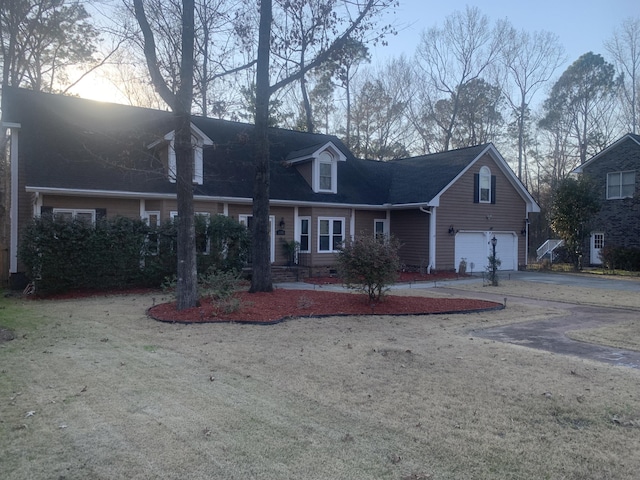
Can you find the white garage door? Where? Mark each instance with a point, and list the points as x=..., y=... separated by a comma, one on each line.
x=475, y=248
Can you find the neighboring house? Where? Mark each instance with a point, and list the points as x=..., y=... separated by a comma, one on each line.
x=87, y=159
x=615, y=171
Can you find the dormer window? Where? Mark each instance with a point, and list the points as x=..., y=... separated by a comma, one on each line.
x=198, y=141
x=326, y=172
x=319, y=166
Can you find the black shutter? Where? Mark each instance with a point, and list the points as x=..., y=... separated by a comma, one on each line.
x=101, y=214
x=493, y=189
x=476, y=188
x=46, y=211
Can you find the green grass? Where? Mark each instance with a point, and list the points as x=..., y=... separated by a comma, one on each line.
x=16, y=315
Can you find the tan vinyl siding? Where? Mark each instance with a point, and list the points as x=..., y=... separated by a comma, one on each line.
x=364, y=221
x=306, y=170
x=114, y=206
x=458, y=209
x=411, y=228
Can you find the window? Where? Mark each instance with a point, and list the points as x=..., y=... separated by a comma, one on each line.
x=203, y=242
x=598, y=240
x=247, y=221
x=84, y=215
x=485, y=185
x=325, y=176
x=151, y=241
x=330, y=234
x=621, y=184
x=325, y=173
x=305, y=234
x=380, y=228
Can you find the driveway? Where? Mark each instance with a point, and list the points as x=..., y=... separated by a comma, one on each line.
x=550, y=335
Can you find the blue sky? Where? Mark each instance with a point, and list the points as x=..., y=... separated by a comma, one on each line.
x=581, y=25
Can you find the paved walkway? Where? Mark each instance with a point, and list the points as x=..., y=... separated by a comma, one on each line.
x=549, y=335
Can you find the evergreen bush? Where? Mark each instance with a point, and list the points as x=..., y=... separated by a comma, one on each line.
x=369, y=264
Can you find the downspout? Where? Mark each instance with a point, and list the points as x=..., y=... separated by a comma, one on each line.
x=526, y=240
x=432, y=237
x=13, y=212
x=352, y=224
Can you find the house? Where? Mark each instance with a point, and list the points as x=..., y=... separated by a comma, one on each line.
x=615, y=172
x=87, y=159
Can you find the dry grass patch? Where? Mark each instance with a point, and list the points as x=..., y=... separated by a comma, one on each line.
x=625, y=335
x=116, y=395
x=558, y=293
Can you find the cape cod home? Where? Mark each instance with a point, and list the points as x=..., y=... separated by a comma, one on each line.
x=615, y=172
x=87, y=159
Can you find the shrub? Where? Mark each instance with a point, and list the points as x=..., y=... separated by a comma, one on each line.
x=61, y=255
x=369, y=264
x=621, y=258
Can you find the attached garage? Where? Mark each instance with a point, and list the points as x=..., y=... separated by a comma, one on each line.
x=475, y=248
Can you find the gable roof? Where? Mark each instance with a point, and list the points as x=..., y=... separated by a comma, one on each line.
x=629, y=137
x=84, y=146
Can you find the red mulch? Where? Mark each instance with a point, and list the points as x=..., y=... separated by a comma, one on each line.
x=279, y=305
x=403, y=277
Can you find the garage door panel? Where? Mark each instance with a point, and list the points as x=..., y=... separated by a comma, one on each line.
x=475, y=248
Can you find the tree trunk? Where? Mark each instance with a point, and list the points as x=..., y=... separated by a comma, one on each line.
x=260, y=246
x=187, y=287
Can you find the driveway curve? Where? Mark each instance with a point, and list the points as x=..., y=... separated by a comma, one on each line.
x=551, y=335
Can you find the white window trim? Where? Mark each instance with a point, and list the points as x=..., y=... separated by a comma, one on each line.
x=620, y=173
x=485, y=172
x=198, y=172
x=75, y=211
x=244, y=220
x=149, y=213
x=299, y=236
x=174, y=215
x=334, y=172
x=385, y=226
x=331, y=235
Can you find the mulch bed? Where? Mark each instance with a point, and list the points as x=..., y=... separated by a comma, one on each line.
x=403, y=277
x=279, y=305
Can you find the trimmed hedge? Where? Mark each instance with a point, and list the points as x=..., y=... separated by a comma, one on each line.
x=621, y=258
x=62, y=255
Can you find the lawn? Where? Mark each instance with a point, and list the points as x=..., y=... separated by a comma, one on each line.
x=93, y=388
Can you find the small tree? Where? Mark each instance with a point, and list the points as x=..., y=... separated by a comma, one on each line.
x=574, y=204
x=369, y=264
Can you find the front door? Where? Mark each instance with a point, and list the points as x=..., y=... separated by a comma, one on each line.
x=597, y=244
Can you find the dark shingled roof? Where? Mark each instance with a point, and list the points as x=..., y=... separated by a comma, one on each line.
x=82, y=144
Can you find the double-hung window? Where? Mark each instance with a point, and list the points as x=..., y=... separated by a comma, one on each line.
x=621, y=184
x=485, y=185
x=330, y=234
x=84, y=215
x=305, y=233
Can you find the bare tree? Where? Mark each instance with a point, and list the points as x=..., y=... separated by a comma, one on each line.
x=357, y=16
x=463, y=49
x=529, y=61
x=381, y=128
x=624, y=47
x=179, y=96
x=41, y=39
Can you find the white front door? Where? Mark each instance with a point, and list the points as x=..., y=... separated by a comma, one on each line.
x=597, y=244
x=247, y=220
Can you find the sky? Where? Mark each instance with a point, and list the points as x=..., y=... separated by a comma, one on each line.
x=582, y=26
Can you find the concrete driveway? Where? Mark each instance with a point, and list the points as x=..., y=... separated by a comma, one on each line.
x=550, y=335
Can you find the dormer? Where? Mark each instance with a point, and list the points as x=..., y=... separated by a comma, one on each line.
x=318, y=165
x=198, y=140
